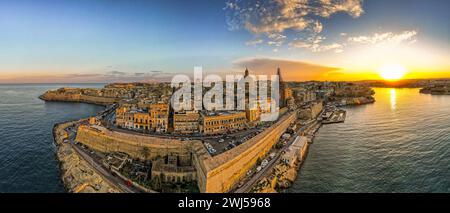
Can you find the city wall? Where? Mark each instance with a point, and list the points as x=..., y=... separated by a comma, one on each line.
x=57, y=96
x=214, y=174
x=227, y=169
x=137, y=146
x=104, y=140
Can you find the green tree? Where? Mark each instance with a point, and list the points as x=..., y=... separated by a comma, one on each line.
x=155, y=183
x=145, y=152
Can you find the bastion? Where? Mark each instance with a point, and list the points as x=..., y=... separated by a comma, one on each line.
x=213, y=174
x=76, y=96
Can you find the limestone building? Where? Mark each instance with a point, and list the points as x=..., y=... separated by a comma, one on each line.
x=186, y=122
x=222, y=122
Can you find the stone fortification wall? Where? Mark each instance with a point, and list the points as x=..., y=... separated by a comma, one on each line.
x=76, y=97
x=137, y=146
x=144, y=147
x=226, y=170
x=214, y=174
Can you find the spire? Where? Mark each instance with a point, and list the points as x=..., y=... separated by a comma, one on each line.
x=246, y=72
x=282, y=89
x=279, y=74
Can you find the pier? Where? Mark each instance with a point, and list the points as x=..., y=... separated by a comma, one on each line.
x=332, y=115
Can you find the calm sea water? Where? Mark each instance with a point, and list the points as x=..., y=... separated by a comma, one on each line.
x=399, y=144
x=27, y=153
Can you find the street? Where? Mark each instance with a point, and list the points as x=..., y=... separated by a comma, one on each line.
x=272, y=163
x=108, y=176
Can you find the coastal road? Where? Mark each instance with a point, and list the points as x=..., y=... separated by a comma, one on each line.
x=104, y=173
x=258, y=176
x=266, y=170
x=113, y=180
x=272, y=163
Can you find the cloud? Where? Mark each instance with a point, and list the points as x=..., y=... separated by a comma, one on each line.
x=315, y=45
x=276, y=39
x=266, y=18
x=292, y=70
x=115, y=73
x=254, y=42
x=383, y=38
x=150, y=76
x=351, y=7
x=78, y=75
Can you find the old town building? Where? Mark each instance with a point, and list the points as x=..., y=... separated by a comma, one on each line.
x=223, y=122
x=142, y=121
x=159, y=114
x=186, y=122
x=156, y=118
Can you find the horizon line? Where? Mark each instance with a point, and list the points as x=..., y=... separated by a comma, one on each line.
x=411, y=79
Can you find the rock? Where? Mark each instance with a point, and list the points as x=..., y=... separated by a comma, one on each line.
x=291, y=174
x=76, y=174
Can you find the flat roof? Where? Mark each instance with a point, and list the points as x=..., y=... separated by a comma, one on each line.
x=213, y=113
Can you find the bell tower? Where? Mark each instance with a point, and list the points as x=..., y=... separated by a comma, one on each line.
x=282, y=89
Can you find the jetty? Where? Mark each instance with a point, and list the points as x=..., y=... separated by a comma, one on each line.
x=333, y=115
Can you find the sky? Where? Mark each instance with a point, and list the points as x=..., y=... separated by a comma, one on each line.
x=62, y=41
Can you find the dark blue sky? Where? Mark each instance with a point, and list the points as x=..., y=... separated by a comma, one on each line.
x=57, y=37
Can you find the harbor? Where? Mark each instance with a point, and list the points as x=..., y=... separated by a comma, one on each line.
x=283, y=169
x=332, y=114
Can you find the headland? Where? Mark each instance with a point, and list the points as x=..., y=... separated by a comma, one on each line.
x=139, y=145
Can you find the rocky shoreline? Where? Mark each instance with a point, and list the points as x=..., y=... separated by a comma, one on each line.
x=443, y=90
x=283, y=176
x=76, y=174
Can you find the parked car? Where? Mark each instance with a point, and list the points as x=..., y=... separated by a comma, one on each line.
x=264, y=163
x=258, y=169
x=272, y=155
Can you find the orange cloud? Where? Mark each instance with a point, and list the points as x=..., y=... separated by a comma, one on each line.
x=291, y=70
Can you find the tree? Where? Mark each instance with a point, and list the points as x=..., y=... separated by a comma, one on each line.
x=155, y=183
x=145, y=152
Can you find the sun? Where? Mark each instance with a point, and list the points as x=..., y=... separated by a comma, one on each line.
x=392, y=72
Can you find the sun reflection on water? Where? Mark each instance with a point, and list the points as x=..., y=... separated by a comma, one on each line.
x=393, y=99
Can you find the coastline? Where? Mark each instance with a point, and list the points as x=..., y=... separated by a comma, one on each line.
x=56, y=96
x=430, y=92
x=77, y=175
x=283, y=176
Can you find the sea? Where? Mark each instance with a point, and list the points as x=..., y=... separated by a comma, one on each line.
x=27, y=152
x=400, y=143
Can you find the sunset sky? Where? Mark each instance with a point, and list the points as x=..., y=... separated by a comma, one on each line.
x=49, y=41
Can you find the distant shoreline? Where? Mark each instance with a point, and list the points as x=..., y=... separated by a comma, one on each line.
x=351, y=81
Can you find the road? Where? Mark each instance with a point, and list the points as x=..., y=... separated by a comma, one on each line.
x=272, y=163
x=108, y=118
x=108, y=176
